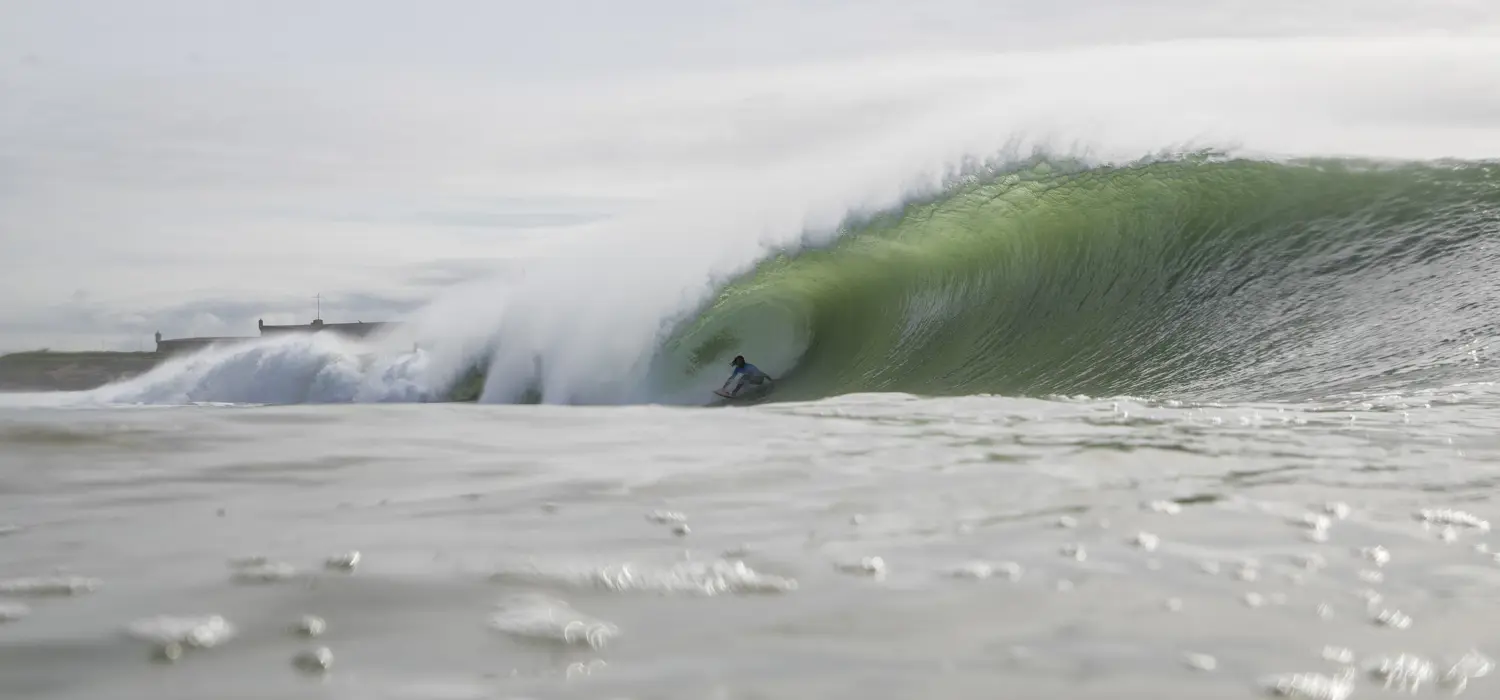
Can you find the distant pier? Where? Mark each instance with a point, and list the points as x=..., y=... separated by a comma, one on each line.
x=357, y=329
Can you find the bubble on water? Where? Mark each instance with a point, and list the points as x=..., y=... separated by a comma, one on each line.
x=699, y=578
x=1165, y=507
x=1200, y=662
x=1311, y=686
x=982, y=570
x=543, y=618
x=1394, y=619
x=976, y=570
x=10, y=612
x=343, y=562
x=1473, y=664
x=1449, y=516
x=1404, y=672
x=1010, y=570
x=310, y=626
x=1311, y=561
x=314, y=660
x=1254, y=599
x=1315, y=521
x=1338, y=509
x=1377, y=554
x=201, y=632
x=867, y=566
x=1469, y=666
x=681, y=529
x=1067, y=522
x=247, y=561
x=271, y=572
x=1338, y=655
x=49, y=586
x=579, y=669
x=170, y=652
x=1146, y=541
x=1074, y=551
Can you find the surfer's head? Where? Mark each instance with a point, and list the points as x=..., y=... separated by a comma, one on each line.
x=738, y=361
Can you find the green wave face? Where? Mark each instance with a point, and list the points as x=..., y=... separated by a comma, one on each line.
x=1193, y=278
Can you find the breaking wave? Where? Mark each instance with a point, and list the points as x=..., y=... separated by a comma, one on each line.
x=1199, y=277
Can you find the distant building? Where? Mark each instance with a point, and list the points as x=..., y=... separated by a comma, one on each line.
x=176, y=345
x=358, y=329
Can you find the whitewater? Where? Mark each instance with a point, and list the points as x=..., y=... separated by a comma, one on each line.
x=1155, y=368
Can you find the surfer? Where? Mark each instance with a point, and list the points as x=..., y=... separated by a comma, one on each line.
x=746, y=373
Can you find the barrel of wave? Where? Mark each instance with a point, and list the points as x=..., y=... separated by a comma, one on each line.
x=770, y=332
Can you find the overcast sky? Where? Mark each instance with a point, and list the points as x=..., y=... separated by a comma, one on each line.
x=192, y=166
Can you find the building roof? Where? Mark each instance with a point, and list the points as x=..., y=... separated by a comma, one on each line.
x=358, y=327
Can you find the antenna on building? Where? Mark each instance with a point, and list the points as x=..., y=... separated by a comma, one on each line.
x=319, y=297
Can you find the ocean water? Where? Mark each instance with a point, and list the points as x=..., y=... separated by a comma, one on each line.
x=1123, y=351
x=868, y=545
x=1196, y=426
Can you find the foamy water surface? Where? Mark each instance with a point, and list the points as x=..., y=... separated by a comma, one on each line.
x=872, y=546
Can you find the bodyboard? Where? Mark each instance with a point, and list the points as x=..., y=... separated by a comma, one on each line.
x=749, y=395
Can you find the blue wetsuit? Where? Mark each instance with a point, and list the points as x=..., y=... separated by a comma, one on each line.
x=750, y=371
x=747, y=373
